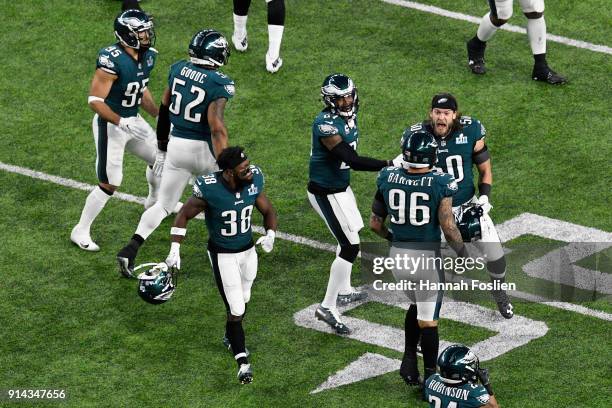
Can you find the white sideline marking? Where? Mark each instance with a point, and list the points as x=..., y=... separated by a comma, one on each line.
x=507, y=27
x=522, y=224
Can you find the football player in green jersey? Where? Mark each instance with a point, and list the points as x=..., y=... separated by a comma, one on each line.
x=457, y=385
x=227, y=198
x=462, y=146
x=118, y=89
x=333, y=154
x=194, y=103
x=419, y=202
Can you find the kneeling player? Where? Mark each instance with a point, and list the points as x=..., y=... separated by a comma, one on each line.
x=457, y=384
x=227, y=197
x=419, y=202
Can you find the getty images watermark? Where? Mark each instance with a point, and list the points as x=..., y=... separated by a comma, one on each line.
x=551, y=271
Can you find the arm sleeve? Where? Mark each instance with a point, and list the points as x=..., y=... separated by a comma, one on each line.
x=163, y=128
x=344, y=152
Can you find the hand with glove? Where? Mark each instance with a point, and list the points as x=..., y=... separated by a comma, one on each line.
x=174, y=257
x=483, y=200
x=158, y=166
x=267, y=241
x=483, y=376
x=133, y=126
x=398, y=161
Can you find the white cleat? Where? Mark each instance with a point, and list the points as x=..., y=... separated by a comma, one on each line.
x=83, y=240
x=273, y=65
x=240, y=44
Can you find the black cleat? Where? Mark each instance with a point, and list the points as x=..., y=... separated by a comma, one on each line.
x=228, y=345
x=126, y=258
x=547, y=75
x=409, y=370
x=503, y=303
x=476, y=58
x=331, y=318
x=245, y=374
x=354, y=296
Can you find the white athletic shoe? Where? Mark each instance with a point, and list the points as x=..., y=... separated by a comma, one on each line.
x=240, y=44
x=273, y=65
x=83, y=240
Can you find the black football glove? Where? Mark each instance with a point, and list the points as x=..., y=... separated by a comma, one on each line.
x=483, y=376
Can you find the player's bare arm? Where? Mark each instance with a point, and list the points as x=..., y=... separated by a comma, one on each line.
x=100, y=87
x=448, y=225
x=189, y=210
x=218, y=130
x=264, y=206
x=148, y=103
x=377, y=224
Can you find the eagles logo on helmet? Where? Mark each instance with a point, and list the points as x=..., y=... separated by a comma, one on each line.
x=419, y=148
x=209, y=47
x=129, y=26
x=157, y=284
x=469, y=222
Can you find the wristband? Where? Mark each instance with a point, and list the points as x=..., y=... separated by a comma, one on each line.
x=178, y=231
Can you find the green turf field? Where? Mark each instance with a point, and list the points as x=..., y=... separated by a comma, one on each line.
x=68, y=321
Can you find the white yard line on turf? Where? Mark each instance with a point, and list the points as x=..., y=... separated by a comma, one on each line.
x=508, y=27
x=290, y=237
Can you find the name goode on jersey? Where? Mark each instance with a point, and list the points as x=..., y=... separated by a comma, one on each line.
x=412, y=264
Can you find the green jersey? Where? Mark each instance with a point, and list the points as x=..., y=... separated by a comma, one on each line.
x=325, y=169
x=193, y=88
x=442, y=395
x=228, y=212
x=126, y=92
x=455, y=155
x=412, y=201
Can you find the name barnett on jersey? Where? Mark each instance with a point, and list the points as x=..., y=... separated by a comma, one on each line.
x=399, y=179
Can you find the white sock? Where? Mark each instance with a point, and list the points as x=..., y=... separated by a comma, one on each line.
x=346, y=287
x=340, y=272
x=240, y=23
x=95, y=202
x=150, y=220
x=486, y=29
x=275, y=37
x=536, y=32
x=154, y=183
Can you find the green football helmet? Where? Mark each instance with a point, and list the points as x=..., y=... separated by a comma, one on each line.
x=458, y=364
x=157, y=285
x=128, y=26
x=419, y=148
x=209, y=47
x=469, y=222
x=337, y=86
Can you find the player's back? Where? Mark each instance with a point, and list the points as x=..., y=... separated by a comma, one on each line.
x=466, y=395
x=412, y=201
x=193, y=88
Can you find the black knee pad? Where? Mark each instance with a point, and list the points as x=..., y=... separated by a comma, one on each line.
x=349, y=252
x=534, y=15
x=497, y=267
x=498, y=22
x=107, y=192
x=276, y=12
x=241, y=7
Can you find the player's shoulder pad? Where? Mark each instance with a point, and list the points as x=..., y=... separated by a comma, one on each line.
x=326, y=124
x=445, y=180
x=225, y=81
x=203, y=183
x=478, y=393
x=383, y=174
x=108, y=59
x=473, y=127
